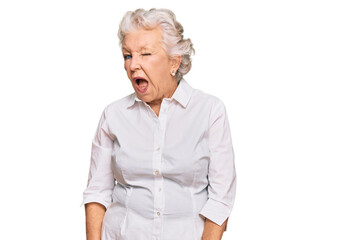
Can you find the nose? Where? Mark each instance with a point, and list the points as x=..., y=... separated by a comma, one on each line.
x=134, y=63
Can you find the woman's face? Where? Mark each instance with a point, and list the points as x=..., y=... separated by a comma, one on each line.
x=148, y=66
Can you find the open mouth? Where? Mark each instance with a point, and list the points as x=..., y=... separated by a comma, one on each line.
x=141, y=84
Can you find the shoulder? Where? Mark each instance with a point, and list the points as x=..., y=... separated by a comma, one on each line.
x=209, y=104
x=118, y=105
x=206, y=99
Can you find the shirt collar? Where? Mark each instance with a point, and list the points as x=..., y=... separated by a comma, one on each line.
x=182, y=94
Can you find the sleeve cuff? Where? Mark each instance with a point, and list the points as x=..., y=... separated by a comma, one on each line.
x=215, y=211
x=100, y=201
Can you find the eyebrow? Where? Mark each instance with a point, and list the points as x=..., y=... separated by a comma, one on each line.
x=144, y=49
x=141, y=49
x=125, y=49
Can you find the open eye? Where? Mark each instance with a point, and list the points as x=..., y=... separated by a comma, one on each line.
x=127, y=56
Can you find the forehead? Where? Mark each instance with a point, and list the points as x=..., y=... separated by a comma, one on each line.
x=143, y=39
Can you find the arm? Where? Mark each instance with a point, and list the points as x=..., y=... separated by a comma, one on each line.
x=212, y=231
x=98, y=193
x=221, y=174
x=94, y=214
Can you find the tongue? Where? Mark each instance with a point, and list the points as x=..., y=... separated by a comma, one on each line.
x=142, y=84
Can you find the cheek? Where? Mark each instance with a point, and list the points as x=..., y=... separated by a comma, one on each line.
x=160, y=66
x=126, y=67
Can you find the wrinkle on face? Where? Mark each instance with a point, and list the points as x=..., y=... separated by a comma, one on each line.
x=146, y=58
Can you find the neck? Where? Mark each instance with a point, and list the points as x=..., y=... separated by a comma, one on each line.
x=156, y=103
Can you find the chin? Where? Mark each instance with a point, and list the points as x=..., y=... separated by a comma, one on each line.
x=145, y=98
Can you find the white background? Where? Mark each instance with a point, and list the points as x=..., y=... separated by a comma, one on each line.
x=287, y=71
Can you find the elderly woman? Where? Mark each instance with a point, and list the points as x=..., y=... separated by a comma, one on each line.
x=162, y=161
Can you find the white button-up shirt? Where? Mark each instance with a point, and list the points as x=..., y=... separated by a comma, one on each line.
x=160, y=177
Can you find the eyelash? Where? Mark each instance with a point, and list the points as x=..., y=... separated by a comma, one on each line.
x=128, y=56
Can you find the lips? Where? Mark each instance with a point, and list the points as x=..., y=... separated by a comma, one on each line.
x=141, y=84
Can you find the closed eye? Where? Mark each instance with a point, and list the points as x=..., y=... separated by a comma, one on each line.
x=146, y=54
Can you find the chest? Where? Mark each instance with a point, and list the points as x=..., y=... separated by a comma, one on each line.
x=174, y=145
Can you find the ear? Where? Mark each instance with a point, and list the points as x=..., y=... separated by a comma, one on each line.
x=175, y=62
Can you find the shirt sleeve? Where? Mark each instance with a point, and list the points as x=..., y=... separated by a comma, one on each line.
x=221, y=172
x=100, y=179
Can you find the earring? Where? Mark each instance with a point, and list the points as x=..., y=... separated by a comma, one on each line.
x=173, y=73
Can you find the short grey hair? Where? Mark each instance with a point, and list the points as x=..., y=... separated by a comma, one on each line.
x=173, y=42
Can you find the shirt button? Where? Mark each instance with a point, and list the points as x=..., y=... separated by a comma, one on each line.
x=158, y=149
x=156, y=172
x=158, y=213
x=160, y=189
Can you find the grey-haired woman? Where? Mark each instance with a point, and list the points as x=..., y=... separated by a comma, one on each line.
x=162, y=160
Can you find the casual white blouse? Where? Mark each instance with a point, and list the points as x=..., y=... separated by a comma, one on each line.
x=159, y=177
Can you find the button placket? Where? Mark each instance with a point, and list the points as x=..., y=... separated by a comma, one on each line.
x=157, y=170
x=158, y=181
